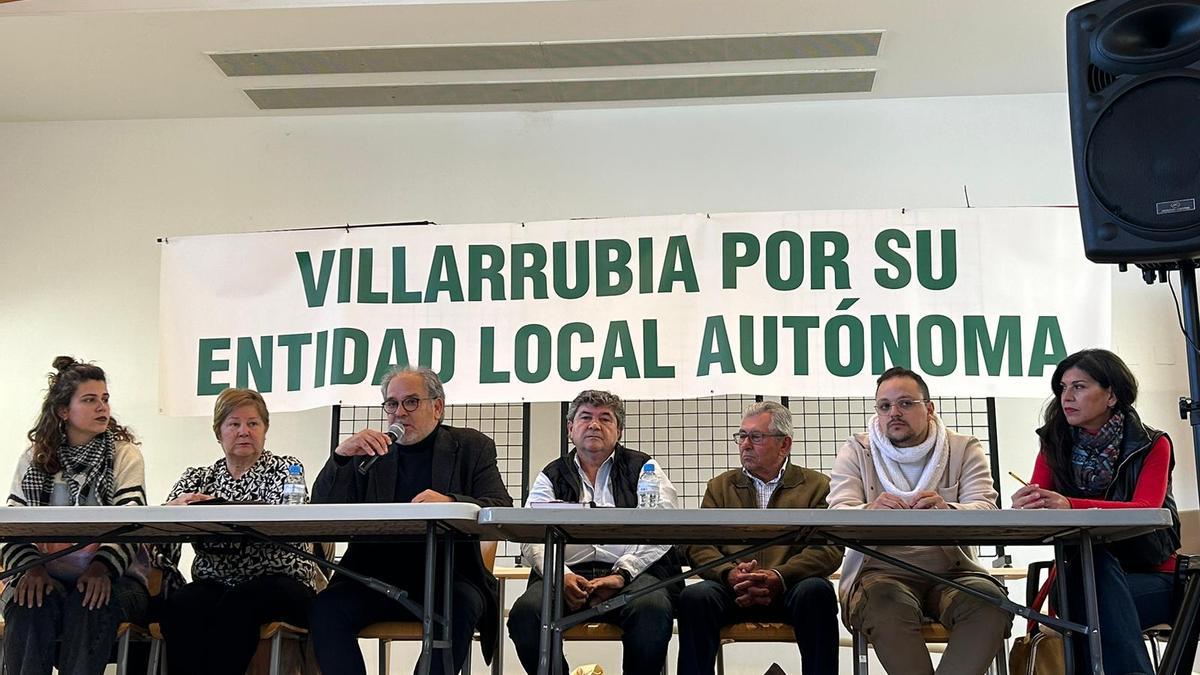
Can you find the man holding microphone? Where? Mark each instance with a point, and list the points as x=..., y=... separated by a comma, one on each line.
x=426, y=461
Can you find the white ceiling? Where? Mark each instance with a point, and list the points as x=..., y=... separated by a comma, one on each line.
x=125, y=59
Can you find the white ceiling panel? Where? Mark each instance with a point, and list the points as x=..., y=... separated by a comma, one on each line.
x=121, y=59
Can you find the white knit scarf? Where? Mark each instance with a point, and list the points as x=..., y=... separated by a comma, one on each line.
x=887, y=458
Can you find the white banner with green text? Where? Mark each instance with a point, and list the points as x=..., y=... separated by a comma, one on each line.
x=983, y=302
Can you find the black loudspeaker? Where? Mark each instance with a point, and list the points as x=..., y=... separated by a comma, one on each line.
x=1133, y=78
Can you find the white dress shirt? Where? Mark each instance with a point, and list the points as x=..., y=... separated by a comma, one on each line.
x=765, y=489
x=632, y=558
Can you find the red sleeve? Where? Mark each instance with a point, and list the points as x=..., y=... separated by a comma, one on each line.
x=1042, y=476
x=1151, y=486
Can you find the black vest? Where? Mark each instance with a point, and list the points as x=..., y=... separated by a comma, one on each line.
x=1144, y=552
x=627, y=467
x=1148, y=551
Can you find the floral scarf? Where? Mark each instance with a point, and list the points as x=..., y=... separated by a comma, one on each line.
x=1094, y=458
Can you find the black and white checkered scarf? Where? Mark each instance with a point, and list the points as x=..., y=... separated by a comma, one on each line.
x=85, y=467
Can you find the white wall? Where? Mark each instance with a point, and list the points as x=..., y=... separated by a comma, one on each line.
x=81, y=205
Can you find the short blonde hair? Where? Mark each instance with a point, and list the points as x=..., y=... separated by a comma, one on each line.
x=233, y=398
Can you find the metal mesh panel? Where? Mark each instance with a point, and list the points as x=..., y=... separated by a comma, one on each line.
x=690, y=438
x=505, y=423
x=823, y=424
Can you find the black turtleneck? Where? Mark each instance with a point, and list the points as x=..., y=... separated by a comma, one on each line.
x=414, y=467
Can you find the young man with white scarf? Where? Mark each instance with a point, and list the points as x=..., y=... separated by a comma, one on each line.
x=909, y=460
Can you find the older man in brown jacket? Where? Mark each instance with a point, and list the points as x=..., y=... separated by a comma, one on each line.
x=781, y=583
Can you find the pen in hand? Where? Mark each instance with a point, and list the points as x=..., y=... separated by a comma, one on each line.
x=1020, y=480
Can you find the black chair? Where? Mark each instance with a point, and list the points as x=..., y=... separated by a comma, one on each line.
x=1180, y=634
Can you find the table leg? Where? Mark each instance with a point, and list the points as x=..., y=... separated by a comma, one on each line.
x=556, y=635
x=447, y=607
x=1068, y=638
x=426, y=662
x=1090, y=604
x=549, y=563
x=501, y=629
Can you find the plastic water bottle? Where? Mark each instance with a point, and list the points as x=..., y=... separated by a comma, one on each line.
x=648, y=487
x=294, y=491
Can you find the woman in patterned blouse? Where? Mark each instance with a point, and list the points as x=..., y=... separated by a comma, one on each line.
x=79, y=456
x=211, y=625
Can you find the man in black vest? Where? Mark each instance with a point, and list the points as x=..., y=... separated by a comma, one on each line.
x=602, y=471
x=431, y=462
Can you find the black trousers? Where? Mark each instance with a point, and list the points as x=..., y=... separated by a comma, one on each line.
x=810, y=606
x=346, y=607
x=63, y=633
x=212, y=628
x=1128, y=602
x=646, y=622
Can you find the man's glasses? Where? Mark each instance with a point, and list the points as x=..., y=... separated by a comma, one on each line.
x=756, y=437
x=904, y=405
x=410, y=404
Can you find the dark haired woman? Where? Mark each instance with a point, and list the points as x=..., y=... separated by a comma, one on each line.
x=79, y=456
x=1096, y=453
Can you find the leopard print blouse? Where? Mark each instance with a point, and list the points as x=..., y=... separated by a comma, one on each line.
x=235, y=562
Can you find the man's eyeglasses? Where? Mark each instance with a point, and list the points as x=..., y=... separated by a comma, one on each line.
x=756, y=437
x=410, y=404
x=904, y=405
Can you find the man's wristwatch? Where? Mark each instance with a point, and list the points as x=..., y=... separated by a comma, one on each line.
x=624, y=574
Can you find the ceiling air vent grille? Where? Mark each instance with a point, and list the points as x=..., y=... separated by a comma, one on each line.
x=565, y=91
x=594, y=54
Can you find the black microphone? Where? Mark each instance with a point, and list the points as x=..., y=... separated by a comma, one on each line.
x=394, y=433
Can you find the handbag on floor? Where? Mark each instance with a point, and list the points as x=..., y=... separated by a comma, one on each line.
x=1040, y=650
x=1037, y=653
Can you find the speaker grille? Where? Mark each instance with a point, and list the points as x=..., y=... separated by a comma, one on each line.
x=1143, y=156
x=1098, y=80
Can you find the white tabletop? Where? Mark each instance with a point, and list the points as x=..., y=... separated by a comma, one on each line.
x=349, y=521
x=337, y=522
x=747, y=526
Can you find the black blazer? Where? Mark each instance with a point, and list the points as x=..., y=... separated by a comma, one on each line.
x=464, y=467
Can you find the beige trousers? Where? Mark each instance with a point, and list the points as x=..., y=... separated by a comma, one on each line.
x=888, y=608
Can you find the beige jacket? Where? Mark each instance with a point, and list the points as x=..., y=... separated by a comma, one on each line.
x=966, y=484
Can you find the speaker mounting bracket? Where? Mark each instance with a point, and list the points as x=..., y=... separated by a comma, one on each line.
x=1187, y=407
